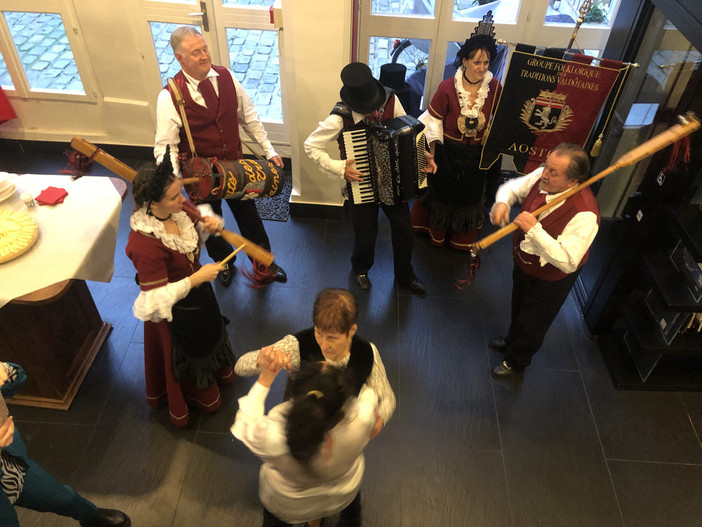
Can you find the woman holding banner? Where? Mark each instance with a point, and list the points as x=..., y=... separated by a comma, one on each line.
x=455, y=123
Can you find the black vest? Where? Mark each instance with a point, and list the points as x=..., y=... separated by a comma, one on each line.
x=360, y=361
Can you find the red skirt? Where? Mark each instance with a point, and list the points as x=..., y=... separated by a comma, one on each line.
x=161, y=384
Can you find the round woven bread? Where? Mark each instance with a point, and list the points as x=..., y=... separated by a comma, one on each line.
x=18, y=231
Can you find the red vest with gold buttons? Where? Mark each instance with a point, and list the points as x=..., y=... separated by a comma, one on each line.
x=215, y=133
x=553, y=224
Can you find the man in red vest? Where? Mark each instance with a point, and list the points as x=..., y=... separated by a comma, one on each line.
x=215, y=105
x=549, y=250
x=365, y=103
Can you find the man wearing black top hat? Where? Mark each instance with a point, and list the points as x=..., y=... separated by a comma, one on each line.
x=392, y=75
x=365, y=102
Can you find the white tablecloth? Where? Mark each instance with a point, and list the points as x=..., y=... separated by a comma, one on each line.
x=76, y=238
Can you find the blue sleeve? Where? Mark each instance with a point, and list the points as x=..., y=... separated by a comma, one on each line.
x=17, y=379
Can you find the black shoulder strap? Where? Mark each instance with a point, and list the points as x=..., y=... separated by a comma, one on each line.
x=341, y=110
x=389, y=92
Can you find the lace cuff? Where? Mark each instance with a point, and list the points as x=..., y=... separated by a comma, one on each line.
x=155, y=305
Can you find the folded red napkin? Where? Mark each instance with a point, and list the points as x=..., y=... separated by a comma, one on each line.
x=51, y=196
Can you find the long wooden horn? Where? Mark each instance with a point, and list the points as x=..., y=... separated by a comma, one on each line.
x=688, y=124
x=126, y=172
x=102, y=157
x=254, y=251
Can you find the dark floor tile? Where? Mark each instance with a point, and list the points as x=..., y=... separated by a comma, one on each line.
x=555, y=466
x=655, y=494
x=221, y=487
x=114, y=302
x=452, y=487
x=57, y=447
x=137, y=461
x=693, y=404
x=445, y=390
x=639, y=425
x=30, y=518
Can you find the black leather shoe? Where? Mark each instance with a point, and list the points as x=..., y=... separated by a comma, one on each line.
x=363, y=281
x=279, y=274
x=226, y=276
x=505, y=370
x=416, y=286
x=108, y=518
x=498, y=344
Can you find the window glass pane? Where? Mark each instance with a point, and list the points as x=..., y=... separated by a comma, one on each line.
x=263, y=3
x=503, y=11
x=414, y=54
x=417, y=8
x=567, y=12
x=43, y=49
x=253, y=55
x=167, y=63
x=5, y=79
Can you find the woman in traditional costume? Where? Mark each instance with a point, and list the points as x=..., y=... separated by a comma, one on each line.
x=186, y=348
x=311, y=445
x=455, y=123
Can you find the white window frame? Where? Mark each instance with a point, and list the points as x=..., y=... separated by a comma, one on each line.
x=441, y=28
x=21, y=87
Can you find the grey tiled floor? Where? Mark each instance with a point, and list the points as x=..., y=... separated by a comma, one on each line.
x=563, y=448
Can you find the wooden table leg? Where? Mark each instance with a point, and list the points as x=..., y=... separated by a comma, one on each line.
x=55, y=338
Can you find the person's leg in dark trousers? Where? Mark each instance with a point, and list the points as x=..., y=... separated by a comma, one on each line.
x=402, y=236
x=271, y=521
x=8, y=515
x=217, y=247
x=41, y=492
x=249, y=222
x=351, y=516
x=535, y=305
x=365, y=231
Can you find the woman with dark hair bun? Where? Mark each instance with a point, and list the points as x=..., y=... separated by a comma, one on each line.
x=311, y=445
x=455, y=124
x=186, y=347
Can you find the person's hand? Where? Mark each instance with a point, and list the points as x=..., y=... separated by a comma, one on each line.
x=271, y=361
x=350, y=173
x=211, y=224
x=3, y=373
x=272, y=357
x=377, y=427
x=7, y=430
x=430, y=167
x=500, y=214
x=525, y=221
x=277, y=161
x=206, y=273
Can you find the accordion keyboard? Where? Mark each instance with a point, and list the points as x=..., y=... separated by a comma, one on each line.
x=421, y=160
x=356, y=147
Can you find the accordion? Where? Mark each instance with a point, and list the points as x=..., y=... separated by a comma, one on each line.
x=391, y=157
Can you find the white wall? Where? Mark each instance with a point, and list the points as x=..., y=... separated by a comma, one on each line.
x=317, y=45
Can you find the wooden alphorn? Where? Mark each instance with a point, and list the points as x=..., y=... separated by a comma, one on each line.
x=689, y=123
x=126, y=172
x=256, y=252
x=102, y=157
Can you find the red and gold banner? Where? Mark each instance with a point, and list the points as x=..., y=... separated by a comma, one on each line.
x=545, y=102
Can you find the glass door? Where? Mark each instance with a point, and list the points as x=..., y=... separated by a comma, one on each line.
x=426, y=34
x=652, y=94
x=240, y=36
